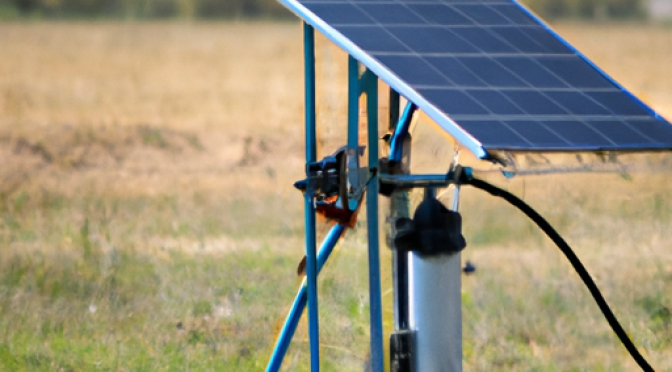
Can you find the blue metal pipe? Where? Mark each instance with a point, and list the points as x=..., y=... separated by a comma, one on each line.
x=311, y=156
x=365, y=79
x=398, y=208
x=353, y=103
x=353, y=126
x=416, y=180
x=375, y=298
x=288, y=329
x=294, y=316
x=401, y=132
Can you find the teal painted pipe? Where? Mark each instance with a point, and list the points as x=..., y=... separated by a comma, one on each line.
x=375, y=298
x=311, y=156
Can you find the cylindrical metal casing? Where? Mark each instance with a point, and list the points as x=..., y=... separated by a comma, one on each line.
x=436, y=312
x=435, y=308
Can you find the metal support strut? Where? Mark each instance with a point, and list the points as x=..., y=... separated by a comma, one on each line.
x=311, y=156
x=375, y=300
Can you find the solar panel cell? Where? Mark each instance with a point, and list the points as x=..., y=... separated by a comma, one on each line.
x=575, y=72
x=391, y=14
x=423, y=40
x=532, y=72
x=440, y=14
x=454, y=101
x=618, y=103
x=455, y=71
x=414, y=70
x=483, y=40
x=517, y=37
x=495, y=102
x=537, y=133
x=657, y=130
x=491, y=72
x=482, y=14
x=373, y=39
x=495, y=133
x=577, y=103
x=534, y=103
x=619, y=132
x=579, y=134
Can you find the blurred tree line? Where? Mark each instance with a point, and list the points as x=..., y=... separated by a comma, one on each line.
x=146, y=8
x=589, y=9
x=227, y=9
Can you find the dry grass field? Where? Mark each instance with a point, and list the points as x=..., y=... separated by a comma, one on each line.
x=148, y=220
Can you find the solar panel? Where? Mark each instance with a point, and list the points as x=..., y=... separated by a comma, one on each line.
x=489, y=73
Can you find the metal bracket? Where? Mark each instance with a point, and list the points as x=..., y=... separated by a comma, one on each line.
x=328, y=181
x=357, y=176
x=326, y=178
x=456, y=175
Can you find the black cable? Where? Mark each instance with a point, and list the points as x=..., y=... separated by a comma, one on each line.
x=574, y=260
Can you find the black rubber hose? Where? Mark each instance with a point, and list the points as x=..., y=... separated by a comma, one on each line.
x=574, y=260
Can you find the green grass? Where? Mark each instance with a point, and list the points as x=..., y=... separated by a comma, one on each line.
x=108, y=305
x=130, y=284
x=108, y=296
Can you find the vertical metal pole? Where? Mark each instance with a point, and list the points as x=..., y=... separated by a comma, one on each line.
x=353, y=126
x=375, y=300
x=311, y=155
x=399, y=206
x=393, y=106
x=436, y=309
x=399, y=261
x=353, y=103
